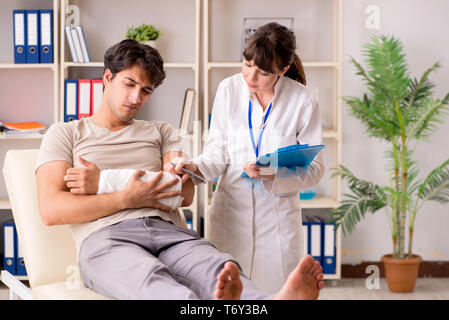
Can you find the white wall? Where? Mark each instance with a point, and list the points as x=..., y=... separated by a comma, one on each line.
x=422, y=27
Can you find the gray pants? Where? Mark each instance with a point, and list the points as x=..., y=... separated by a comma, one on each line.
x=148, y=258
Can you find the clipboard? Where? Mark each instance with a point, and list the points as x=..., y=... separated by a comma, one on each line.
x=296, y=155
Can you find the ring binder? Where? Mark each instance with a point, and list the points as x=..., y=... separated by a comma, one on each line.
x=32, y=47
x=46, y=36
x=19, y=34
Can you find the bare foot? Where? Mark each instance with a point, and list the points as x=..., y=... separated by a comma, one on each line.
x=304, y=282
x=229, y=286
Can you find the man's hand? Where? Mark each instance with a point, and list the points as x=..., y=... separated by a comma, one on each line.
x=83, y=180
x=253, y=171
x=139, y=194
x=176, y=164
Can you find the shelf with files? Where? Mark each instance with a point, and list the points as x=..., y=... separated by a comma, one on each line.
x=175, y=45
x=33, y=87
x=314, y=61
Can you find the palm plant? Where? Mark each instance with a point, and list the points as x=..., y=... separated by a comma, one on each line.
x=400, y=111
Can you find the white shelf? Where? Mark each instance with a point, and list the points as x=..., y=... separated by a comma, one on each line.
x=4, y=204
x=22, y=278
x=51, y=66
x=101, y=64
x=21, y=137
x=329, y=133
x=316, y=203
x=319, y=203
x=312, y=64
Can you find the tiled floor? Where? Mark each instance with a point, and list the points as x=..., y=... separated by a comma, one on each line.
x=356, y=289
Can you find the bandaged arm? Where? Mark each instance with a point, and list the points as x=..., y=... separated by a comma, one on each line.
x=114, y=180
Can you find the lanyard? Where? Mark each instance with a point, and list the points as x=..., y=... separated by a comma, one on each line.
x=250, y=123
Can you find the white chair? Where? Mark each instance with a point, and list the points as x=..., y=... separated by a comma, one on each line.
x=49, y=252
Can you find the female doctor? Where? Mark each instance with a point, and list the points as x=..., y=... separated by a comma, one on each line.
x=265, y=107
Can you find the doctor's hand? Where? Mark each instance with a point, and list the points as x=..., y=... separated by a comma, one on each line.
x=253, y=171
x=83, y=180
x=176, y=164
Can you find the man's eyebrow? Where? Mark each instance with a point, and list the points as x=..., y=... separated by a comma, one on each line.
x=134, y=81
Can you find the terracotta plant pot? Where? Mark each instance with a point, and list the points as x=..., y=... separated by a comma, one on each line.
x=401, y=274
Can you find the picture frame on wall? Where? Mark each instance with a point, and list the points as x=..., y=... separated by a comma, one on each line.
x=250, y=26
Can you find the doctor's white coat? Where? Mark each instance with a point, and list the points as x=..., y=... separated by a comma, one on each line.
x=258, y=221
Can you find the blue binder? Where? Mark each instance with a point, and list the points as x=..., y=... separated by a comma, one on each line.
x=20, y=263
x=46, y=36
x=70, y=100
x=296, y=155
x=32, y=34
x=19, y=35
x=329, y=248
x=9, y=247
x=316, y=241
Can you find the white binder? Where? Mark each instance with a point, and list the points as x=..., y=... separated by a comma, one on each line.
x=305, y=235
x=84, y=98
x=68, y=34
x=315, y=240
x=97, y=94
x=82, y=39
x=77, y=44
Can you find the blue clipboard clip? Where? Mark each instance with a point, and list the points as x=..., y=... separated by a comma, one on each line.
x=296, y=155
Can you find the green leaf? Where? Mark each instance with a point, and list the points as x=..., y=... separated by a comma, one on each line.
x=436, y=186
x=365, y=197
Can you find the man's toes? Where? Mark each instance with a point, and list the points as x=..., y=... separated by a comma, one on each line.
x=321, y=285
x=218, y=294
x=316, y=266
x=319, y=277
x=306, y=264
x=233, y=270
x=317, y=272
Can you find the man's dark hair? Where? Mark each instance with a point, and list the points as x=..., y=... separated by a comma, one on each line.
x=127, y=53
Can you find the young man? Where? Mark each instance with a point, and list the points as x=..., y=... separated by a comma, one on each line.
x=130, y=246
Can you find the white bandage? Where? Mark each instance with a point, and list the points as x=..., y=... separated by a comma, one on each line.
x=114, y=180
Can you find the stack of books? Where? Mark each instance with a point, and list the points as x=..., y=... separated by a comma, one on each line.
x=22, y=128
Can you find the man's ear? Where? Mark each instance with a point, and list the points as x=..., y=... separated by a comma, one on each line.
x=107, y=77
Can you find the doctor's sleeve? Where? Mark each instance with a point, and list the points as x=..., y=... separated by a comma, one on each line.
x=288, y=180
x=214, y=159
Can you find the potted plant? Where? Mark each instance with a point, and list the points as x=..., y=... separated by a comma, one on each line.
x=144, y=33
x=400, y=111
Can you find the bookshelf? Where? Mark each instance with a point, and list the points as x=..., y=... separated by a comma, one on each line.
x=31, y=78
x=316, y=63
x=117, y=23
x=45, y=85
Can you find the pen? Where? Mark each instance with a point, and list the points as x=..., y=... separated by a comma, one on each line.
x=190, y=173
x=193, y=175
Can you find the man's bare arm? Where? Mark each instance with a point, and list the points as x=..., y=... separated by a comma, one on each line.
x=188, y=189
x=58, y=205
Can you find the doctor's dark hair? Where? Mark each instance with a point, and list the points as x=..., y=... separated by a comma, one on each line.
x=274, y=42
x=127, y=53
